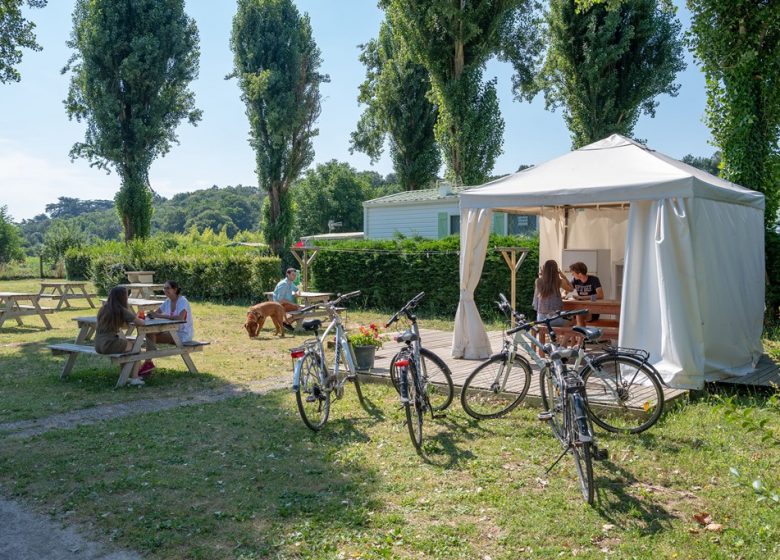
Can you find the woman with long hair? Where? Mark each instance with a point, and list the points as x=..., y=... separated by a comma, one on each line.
x=547, y=292
x=112, y=319
x=177, y=308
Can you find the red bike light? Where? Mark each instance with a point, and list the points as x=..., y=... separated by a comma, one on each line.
x=296, y=353
x=402, y=363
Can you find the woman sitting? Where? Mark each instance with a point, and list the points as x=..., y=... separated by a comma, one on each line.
x=547, y=293
x=177, y=308
x=112, y=319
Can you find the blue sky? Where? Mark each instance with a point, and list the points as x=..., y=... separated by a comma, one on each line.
x=36, y=135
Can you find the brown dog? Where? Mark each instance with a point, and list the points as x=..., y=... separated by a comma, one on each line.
x=257, y=314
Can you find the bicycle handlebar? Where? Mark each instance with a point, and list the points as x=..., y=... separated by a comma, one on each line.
x=411, y=304
x=526, y=325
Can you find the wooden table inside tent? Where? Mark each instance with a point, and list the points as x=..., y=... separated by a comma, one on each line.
x=11, y=307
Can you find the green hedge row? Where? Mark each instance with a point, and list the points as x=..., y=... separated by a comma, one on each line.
x=772, y=297
x=391, y=272
x=225, y=274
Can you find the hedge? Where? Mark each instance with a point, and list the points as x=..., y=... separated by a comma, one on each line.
x=223, y=274
x=391, y=272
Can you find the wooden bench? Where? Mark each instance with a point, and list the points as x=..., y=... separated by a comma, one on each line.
x=73, y=350
x=297, y=318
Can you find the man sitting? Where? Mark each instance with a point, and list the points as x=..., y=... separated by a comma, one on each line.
x=588, y=287
x=285, y=293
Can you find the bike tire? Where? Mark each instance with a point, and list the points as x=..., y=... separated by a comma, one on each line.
x=414, y=405
x=312, y=396
x=483, y=396
x=613, y=383
x=580, y=450
x=439, y=386
x=552, y=401
x=358, y=390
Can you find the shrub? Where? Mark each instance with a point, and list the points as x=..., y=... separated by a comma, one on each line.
x=389, y=273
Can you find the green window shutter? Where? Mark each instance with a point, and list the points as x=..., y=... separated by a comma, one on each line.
x=443, y=223
x=498, y=223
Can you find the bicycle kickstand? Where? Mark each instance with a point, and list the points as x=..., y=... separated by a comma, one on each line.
x=551, y=467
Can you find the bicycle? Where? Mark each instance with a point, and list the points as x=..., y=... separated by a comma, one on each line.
x=421, y=378
x=312, y=383
x=615, y=379
x=433, y=370
x=563, y=398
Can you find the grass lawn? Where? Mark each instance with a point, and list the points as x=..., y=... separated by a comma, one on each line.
x=244, y=479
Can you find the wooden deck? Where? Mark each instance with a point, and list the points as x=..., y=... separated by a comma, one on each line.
x=766, y=374
x=440, y=342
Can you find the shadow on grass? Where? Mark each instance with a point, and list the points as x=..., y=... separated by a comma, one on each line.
x=616, y=504
x=241, y=478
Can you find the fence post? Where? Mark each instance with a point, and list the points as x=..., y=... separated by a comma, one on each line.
x=40, y=266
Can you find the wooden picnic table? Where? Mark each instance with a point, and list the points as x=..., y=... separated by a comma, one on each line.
x=129, y=362
x=64, y=291
x=600, y=306
x=610, y=328
x=143, y=290
x=11, y=308
x=140, y=276
x=137, y=304
x=308, y=298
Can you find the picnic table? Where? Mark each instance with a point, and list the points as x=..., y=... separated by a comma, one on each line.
x=129, y=362
x=140, y=276
x=143, y=290
x=137, y=304
x=308, y=298
x=63, y=292
x=11, y=308
x=610, y=328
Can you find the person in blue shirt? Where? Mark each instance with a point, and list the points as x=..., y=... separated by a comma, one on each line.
x=285, y=293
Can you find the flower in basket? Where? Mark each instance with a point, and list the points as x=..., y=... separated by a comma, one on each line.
x=367, y=336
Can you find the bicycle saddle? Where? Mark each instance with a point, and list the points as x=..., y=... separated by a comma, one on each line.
x=406, y=336
x=590, y=333
x=311, y=324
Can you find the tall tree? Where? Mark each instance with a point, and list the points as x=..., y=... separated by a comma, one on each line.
x=131, y=70
x=277, y=65
x=737, y=44
x=16, y=33
x=453, y=40
x=395, y=92
x=606, y=65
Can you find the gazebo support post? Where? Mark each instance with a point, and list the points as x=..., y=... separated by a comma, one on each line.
x=510, y=255
x=303, y=257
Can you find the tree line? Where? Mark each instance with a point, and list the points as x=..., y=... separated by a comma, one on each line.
x=602, y=62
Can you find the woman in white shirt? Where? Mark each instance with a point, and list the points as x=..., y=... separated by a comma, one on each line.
x=175, y=307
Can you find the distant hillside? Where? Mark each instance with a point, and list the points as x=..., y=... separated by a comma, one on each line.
x=236, y=208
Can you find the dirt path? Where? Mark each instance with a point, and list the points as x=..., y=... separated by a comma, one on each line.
x=28, y=428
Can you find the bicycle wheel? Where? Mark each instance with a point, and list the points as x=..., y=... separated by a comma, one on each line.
x=439, y=386
x=623, y=394
x=312, y=395
x=394, y=373
x=581, y=450
x=414, y=404
x=552, y=401
x=493, y=389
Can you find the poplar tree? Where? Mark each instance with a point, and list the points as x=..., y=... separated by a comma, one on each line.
x=606, y=64
x=277, y=65
x=131, y=69
x=16, y=33
x=396, y=95
x=453, y=41
x=737, y=44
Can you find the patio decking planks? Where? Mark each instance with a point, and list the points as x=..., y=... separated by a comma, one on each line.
x=440, y=342
x=766, y=374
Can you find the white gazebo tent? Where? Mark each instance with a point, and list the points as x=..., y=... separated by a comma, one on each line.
x=692, y=244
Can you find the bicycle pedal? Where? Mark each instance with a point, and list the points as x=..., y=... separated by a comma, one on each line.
x=545, y=416
x=600, y=454
x=311, y=398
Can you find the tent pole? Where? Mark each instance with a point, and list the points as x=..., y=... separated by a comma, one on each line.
x=510, y=257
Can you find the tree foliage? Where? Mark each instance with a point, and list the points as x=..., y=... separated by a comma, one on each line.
x=10, y=239
x=131, y=69
x=709, y=164
x=395, y=93
x=277, y=65
x=67, y=207
x=16, y=33
x=737, y=44
x=59, y=238
x=332, y=191
x=453, y=41
x=605, y=65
